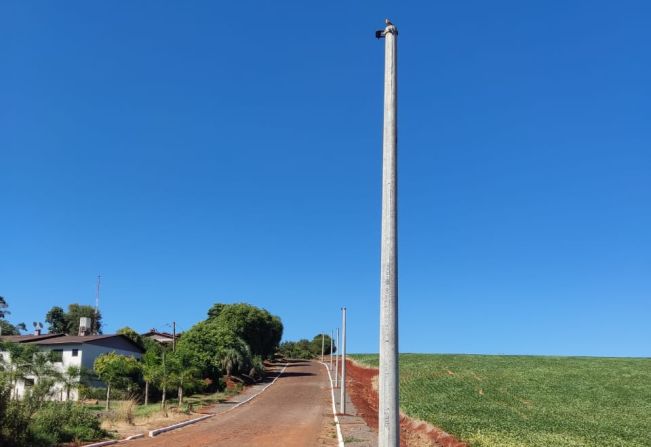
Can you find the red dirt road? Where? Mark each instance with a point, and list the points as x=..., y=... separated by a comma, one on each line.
x=296, y=411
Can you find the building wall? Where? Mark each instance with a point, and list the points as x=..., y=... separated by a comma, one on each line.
x=85, y=359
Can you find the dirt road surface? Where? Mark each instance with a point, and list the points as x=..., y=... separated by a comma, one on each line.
x=296, y=411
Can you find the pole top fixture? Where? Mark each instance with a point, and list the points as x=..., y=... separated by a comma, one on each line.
x=390, y=28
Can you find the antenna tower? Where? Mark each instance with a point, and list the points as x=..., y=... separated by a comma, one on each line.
x=95, y=323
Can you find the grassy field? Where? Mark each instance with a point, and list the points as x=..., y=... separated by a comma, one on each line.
x=528, y=401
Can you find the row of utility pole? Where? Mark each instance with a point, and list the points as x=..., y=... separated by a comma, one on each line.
x=340, y=352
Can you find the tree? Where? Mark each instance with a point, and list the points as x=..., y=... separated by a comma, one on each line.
x=257, y=327
x=116, y=371
x=163, y=377
x=302, y=349
x=16, y=415
x=233, y=361
x=151, y=362
x=61, y=322
x=57, y=320
x=207, y=343
x=25, y=361
x=315, y=345
x=6, y=328
x=72, y=378
x=3, y=307
x=76, y=311
x=215, y=310
x=185, y=375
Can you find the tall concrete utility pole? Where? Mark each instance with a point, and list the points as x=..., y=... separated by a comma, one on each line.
x=342, y=402
x=332, y=334
x=389, y=428
x=337, y=361
x=322, y=345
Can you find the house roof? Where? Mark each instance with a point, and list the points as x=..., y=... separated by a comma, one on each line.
x=62, y=339
x=155, y=333
x=28, y=338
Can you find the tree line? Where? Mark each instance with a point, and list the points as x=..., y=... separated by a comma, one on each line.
x=59, y=321
x=307, y=349
x=231, y=343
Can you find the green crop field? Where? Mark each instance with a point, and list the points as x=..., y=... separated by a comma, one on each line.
x=529, y=401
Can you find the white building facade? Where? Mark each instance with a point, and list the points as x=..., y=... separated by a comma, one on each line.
x=77, y=351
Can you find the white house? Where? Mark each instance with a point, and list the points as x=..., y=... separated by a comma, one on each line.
x=81, y=351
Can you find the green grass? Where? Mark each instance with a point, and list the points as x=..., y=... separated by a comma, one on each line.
x=527, y=401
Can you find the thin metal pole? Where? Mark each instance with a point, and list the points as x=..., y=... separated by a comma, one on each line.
x=342, y=402
x=173, y=336
x=95, y=330
x=337, y=361
x=332, y=334
x=389, y=433
x=322, y=345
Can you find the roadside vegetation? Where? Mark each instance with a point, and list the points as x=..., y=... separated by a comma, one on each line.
x=529, y=401
x=212, y=360
x=306, y=349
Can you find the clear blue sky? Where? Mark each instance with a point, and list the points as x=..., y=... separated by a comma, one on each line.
x=194, y=152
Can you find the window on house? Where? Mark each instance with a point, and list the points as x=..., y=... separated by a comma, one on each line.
x=57, y=355
x=29, y=383
x=75, y=352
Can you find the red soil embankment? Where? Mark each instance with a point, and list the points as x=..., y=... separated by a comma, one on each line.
x=363, y=392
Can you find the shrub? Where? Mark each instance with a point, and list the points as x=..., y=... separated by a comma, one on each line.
x=65, y=422
x=99, y=394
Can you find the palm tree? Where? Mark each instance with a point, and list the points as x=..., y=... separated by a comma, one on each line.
x=232, y=361
x=71, y=378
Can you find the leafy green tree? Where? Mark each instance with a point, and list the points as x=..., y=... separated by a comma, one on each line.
x=151, y=362
x=19, y=363
x=302, y=349
x=215, y=310
x=185, y=375
x=4, y=307
x=207, y=343
x=61, y=322
x=315, y=345
x=257, y=327
x=76, y=311
x=116, y=371
x=163, y=377
x=57, y=320
x=6, y=328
